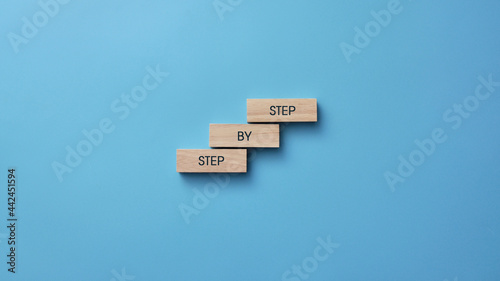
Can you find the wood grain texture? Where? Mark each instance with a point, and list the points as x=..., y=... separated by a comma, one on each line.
x=244, y=135
x=211, y=160
x=282, y=110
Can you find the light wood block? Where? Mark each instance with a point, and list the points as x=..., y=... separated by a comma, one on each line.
x=244, y=135
x=211, y=160
x=282, y=110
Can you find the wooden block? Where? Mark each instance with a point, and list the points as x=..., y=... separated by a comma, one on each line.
x=282, y=110
x=211, y=160
x=244, y=135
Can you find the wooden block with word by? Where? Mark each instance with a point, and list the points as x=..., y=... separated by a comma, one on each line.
x=282, y=110
x=244, y=135
x=211, y=160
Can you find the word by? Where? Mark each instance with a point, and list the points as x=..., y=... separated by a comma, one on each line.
x=243, y=134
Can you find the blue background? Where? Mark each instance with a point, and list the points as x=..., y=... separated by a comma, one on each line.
x=119, y=209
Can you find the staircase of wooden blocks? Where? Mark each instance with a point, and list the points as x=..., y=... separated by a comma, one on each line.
x=234, y=138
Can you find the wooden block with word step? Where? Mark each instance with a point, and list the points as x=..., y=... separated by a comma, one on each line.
x=244, y=135
x=211, y=160
x=282, y=110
